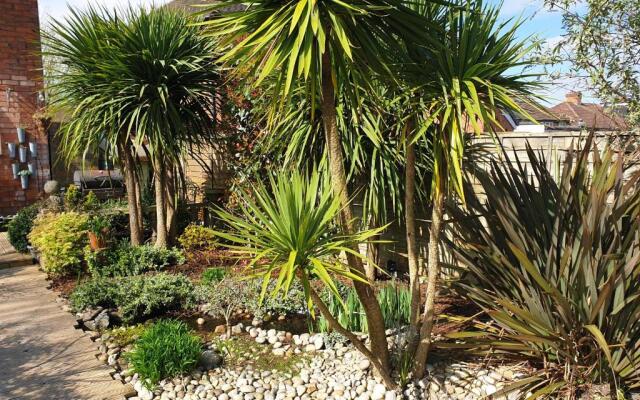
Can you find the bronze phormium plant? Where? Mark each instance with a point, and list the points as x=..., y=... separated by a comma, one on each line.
x=555, y=264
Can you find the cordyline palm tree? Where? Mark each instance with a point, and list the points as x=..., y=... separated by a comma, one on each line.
x=167, y=81
x=466, y=80
x=145, y=77
x=326, y=45
x=83, y=45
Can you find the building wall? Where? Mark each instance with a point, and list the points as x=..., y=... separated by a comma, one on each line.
x=20, y=82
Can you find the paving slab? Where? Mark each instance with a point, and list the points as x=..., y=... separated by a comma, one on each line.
x=42, y=355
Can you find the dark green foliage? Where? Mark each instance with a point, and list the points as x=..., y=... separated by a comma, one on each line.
x=138, y=297
x=99, y=225
x=127, y=260
x=554, y=263
x=394, y=300
x=166, y=349
x=213, y=275
x=20, y=226
x=94, y=293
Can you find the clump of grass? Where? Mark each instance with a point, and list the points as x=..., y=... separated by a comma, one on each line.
x=240, y=351
x=166, y=349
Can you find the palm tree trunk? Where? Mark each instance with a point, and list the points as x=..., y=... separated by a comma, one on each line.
x=130, y=182
x=412, y=243
x=170, y=202
x=428, y=318
x=161, y=213
x=365, y=292
x=139, y=202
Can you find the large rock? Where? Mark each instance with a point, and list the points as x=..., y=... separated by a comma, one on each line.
x=100, y=322
x=210, y=359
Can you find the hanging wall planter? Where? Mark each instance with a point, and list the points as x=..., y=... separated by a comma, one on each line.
x=33, y=149
x=32, y=168
x=15, y=168
x=22, y=135
x=24, y=178
x=12, y=150
x=23, y=154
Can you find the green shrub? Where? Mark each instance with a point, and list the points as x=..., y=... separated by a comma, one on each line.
x=60, y=239
x=20, y=226
x=72, y=198
x=213, y=275
x=127, y=260
x=90, y=202
x=137, y=298
x=196, y=238
x=143, y=296
x=224, y=298
x=554, y=263
x=293, y=302
x=96, y=292
x=166, y=349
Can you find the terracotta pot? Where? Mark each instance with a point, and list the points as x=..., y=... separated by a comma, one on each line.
x=96, y=242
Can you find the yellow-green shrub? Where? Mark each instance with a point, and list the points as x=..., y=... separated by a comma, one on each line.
x=60, y=239
x=197, y=237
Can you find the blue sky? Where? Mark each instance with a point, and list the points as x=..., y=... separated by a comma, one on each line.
x=538, y=22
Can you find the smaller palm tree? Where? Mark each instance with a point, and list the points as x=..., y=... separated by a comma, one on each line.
x=288, y=232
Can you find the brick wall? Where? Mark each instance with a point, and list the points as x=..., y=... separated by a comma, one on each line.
x=20, y=81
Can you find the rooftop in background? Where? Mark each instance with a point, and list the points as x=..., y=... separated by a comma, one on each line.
x=590, y=116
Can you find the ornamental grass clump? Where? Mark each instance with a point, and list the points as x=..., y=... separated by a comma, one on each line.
x=165, y=350
x=556, y=265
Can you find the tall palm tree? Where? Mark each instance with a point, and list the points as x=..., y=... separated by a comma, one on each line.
x=138, y=77
x=167, y=80
x=326, y=45
x=471, y=74
x=83, y=45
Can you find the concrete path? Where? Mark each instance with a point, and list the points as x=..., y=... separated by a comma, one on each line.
x=42, y=356
x=9, y=257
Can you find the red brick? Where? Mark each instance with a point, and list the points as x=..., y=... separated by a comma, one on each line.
x=20, y=71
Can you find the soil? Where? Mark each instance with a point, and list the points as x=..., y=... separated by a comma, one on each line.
x=64, y=285
x=199, y=261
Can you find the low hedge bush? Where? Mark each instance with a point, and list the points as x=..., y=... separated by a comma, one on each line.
x=60, y=239
x=127, y=260
x=137, y=298
x=166, y=349
x=20, y=227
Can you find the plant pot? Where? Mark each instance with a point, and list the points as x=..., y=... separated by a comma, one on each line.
x=96, y=242
x=22, y=135
x=33, y=149
x=12, y=150
x=32, y=168
x=15, y=168
x=23, y=154
x=24, y=181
